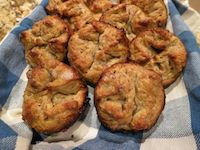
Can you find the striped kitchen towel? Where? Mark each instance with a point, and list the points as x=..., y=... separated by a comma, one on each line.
x=177, y=128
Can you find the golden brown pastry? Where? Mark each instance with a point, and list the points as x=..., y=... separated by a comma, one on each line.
x=130, y=18
x=49, y=35
x=99, y=6
x=156, y=9
x=76, y=11
x=43, y=57
x=96, y=47
x=51, y=8
x=129, y=97
x=159, y=50
x=54, y=98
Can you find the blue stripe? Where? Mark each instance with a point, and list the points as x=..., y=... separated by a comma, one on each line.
x=28, y=23
x=8, y=143
x=189, y=41
x=181, y=8
x=172, y=9
x=192, y=71
x=76, y=148
x=5, y=130
x=99, y=144
x=197, y=138
x=196, y=94
x=44, y=3
x=7, y=81
x=38, y=13
x=107, y=140
x=16, y=31
x=178, y=25
x=11, y=66
x=191, y=74
x=118, y=137
x=175, y=8
x=24, y=25
x=12, y=55
x=174, y=122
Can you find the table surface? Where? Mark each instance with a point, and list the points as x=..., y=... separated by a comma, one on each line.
x=195, y=4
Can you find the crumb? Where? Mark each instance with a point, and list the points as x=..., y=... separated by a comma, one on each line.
x=12, y=12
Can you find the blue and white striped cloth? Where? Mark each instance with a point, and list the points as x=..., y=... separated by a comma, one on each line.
x=178, y=128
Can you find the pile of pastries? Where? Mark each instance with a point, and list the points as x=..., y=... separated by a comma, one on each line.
x=121, y=49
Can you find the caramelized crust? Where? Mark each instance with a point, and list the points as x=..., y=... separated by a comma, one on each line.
x=54, y=98
x=161, y=51
x=99, y=6
x=51, y=8
x=156, y=9
x=96, y=47
x=130, y=18
x=129, y=97
x=76, y=11
x=48, y=36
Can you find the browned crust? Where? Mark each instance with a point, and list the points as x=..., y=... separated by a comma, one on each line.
x=133, y=17
x=26, y=117
x=47, y=39
x=99, y=6
x=97, y=100
x=75, y=11
x=41, y=86
x=91, y=35
x=169, y=48
x=146, y=6
x=51, y=8
x=47, y=21
x=129, y=18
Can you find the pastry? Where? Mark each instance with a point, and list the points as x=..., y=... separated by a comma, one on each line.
x=130, y=18
x=129, y=97
x=96, y=47
x=49, y=35
x=51, y=8
x=54, y=98
x=43, y=57
x=159, y=50
x=75, y=11
x=156, y=9
x=99, y=6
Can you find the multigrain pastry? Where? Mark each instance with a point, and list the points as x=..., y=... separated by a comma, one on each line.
x=51, y=8
x=49, y=35
x=43, y=57
x=54, y=98
x=99, y=6
x=161, y=51
x=96, y=47
x=156, y=9
x=76, y=11
x=129, y=97
x=130, y=18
